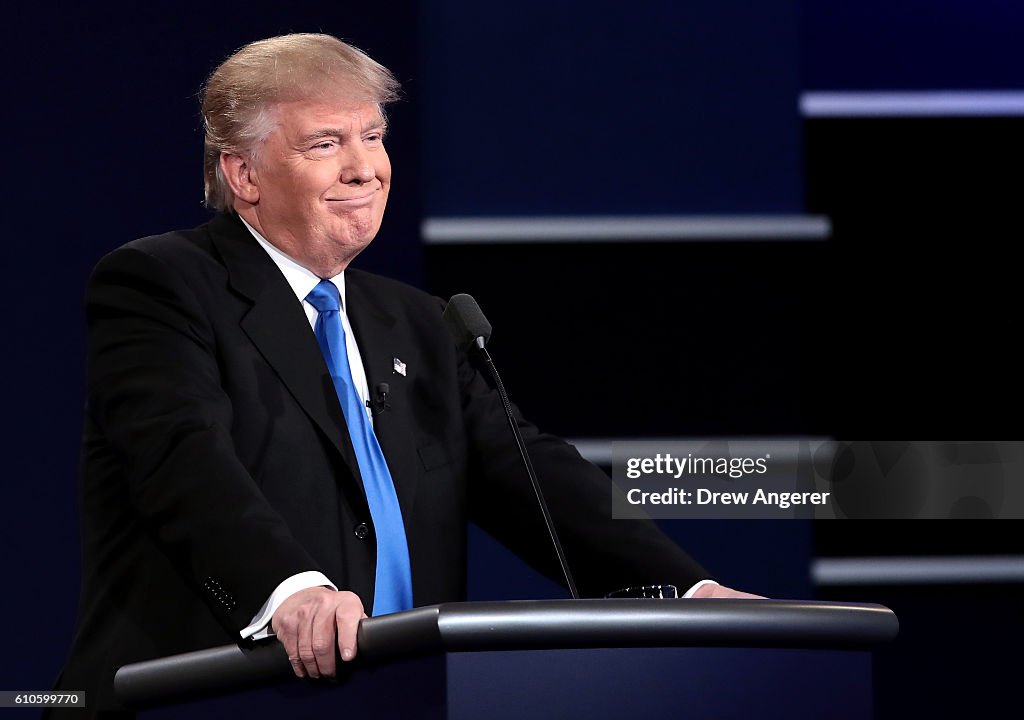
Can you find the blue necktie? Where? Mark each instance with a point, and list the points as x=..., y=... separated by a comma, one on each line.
x=393, y=587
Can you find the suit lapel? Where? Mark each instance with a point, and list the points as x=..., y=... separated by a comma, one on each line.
x=381, y=343
x=278, y=327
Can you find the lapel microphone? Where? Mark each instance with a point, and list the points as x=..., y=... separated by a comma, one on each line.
x=379, y=403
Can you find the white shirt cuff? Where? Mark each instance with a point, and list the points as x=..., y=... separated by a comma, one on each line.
x=689, y=593
x=259, y=628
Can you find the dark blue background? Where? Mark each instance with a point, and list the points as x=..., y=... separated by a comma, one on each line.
x=912, y=45
x=611, y=108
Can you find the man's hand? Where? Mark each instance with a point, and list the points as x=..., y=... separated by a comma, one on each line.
x=309, y=623
x=711, y=590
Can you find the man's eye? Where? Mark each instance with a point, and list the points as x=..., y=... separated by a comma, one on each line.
x=325, y=145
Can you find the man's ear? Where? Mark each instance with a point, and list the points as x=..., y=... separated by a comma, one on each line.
x=238, y=171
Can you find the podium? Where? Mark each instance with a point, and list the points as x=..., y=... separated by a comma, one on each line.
x=549, y=659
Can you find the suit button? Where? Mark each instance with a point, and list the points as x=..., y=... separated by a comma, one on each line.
x=362, y=530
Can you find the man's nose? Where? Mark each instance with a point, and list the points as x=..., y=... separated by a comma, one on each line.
x=357, y=168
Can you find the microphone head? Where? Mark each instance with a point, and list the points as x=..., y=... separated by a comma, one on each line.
x=466, y=321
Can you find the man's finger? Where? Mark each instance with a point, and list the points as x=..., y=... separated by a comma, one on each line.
x=289, y=639
x=348, y=625
x=306, y=655
x=323, y=640
x=720, y=591
x=297, y=666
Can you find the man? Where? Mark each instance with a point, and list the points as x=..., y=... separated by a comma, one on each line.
x=234, y=484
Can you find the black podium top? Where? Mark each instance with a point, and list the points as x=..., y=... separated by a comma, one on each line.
x=531, y=624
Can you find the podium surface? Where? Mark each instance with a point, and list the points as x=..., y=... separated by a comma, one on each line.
x=552, y=658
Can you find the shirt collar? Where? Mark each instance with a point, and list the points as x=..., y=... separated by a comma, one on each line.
x=301, y=280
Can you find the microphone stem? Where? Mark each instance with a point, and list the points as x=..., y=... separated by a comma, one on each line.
x=529, y=469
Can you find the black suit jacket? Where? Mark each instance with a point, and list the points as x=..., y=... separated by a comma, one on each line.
x=216, y=460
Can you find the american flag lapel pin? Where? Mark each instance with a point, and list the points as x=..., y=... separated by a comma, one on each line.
x=399, y=367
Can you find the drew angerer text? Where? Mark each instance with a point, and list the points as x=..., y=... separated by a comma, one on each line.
x=703, y=496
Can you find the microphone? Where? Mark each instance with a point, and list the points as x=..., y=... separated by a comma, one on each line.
x=379, y=403
x=466, y=321
x=471, y=331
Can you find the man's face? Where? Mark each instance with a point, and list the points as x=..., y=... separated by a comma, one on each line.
x=323, y=177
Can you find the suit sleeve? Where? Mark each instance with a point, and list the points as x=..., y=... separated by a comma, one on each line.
x=154, y=391
x=604, y=554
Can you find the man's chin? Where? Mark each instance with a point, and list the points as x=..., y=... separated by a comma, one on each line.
x=356, y=228
x=351, y=244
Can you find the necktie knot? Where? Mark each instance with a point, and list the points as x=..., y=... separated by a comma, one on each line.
x=324, y=297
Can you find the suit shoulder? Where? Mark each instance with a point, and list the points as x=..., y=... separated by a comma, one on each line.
x=173, y=246
x=187, y=253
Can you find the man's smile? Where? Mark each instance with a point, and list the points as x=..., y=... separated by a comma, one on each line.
x=356, y=200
